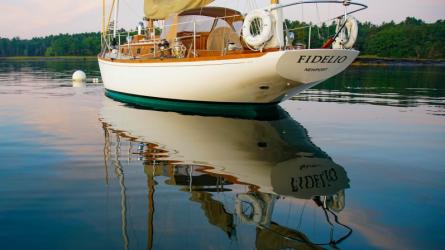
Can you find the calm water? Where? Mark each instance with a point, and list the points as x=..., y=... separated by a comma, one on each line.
x=356, y=163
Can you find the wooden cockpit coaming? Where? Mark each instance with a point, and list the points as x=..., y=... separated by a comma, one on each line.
x=141, y=49
x=204, y=55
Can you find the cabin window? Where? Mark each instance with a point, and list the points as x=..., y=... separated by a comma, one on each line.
x=203, y=24
x=138, y=51
x=238, y=26
x=221, y=23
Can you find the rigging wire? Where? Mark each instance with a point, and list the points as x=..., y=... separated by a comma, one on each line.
x=288, y=213
x=319, y=21
x=345, y=226
x=302, y=11
x=131, y=8
x=301, y=215
x=331, y=242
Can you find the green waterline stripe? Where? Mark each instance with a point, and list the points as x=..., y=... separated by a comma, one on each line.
x=251, y=111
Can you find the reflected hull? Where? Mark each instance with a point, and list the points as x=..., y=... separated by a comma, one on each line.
x=276, y=156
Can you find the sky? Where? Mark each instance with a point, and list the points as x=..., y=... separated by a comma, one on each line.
x=35, y=18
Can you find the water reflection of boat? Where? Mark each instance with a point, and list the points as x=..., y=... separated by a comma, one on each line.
x=204, y=155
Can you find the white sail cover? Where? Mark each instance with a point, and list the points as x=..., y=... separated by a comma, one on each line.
x=162, y=9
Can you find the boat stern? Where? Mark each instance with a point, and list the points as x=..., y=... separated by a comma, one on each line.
x=314, y=65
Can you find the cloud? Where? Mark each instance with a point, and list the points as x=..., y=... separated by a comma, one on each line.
x=28, y=18
x=31, y=18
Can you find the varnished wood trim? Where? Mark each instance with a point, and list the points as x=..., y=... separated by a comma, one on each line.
x=250, y=54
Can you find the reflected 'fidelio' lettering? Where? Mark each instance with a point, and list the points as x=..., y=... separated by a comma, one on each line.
x=322, y=180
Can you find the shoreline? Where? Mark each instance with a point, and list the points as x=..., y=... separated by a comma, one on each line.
x=360, y=61
x=388, y=61
x=47, y=58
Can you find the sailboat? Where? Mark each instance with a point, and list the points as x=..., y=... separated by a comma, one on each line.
x=189, y=55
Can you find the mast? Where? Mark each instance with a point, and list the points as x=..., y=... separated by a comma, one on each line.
x=103, y=25
x=116, y=12
x=106, y=150
x=151, y=206
x=277, y=40
x=106, y=25
x=120, y=174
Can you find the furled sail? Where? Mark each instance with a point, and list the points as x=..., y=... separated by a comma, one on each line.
x=162, y=9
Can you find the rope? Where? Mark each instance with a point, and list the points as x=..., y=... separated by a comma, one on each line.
x=104, y=34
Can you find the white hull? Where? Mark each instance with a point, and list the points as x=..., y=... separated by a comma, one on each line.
x=271, y=78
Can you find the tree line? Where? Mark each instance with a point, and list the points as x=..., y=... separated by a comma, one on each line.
x=412, y=38
x=84, y=44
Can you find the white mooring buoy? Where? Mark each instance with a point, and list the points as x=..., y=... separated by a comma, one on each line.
x=79, y=76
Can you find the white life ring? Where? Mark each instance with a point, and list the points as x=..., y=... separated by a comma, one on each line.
x=265, y=33
x=348, y=35
x=257, y=210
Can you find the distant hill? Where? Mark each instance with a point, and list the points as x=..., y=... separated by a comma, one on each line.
x=412, y=38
